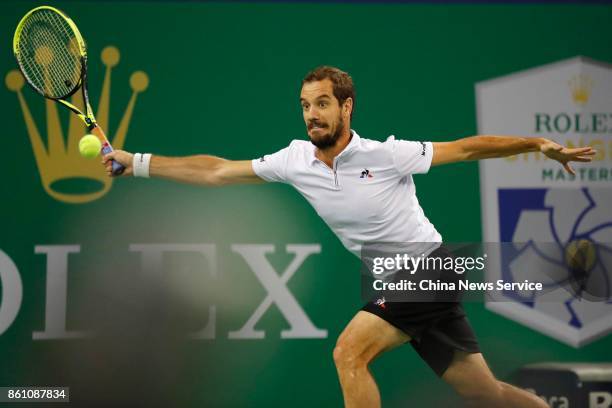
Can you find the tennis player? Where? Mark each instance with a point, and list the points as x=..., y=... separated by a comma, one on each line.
x=363, y=189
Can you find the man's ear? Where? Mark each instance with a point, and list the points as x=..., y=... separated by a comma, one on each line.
x=347, y=106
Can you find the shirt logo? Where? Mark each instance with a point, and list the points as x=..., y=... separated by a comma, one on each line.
x=381, y=303
x=424, y=145
x=366, y=174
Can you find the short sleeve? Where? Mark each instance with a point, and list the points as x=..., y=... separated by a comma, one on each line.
x=411, y=157
x=272, y=167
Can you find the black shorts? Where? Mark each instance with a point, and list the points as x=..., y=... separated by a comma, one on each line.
x=436, y=329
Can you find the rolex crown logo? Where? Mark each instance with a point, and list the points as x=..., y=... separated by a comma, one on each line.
x=65, y=174
x=580, y=86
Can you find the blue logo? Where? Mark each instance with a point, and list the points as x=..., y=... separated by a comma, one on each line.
x=556, y=229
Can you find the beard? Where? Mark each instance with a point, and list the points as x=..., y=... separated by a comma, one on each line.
x=328, y=140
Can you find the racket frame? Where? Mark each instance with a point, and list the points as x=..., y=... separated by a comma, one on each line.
x=87, y=117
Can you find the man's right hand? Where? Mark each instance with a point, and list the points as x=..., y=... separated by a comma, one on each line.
x=122, y=157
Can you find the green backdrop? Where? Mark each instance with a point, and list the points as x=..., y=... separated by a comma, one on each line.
x=224, y=80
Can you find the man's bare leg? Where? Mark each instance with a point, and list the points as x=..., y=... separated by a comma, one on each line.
x=367, y=336
x=363, y=339
x=470, y=376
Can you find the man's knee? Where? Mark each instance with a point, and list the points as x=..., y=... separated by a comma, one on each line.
x=481, y=394
x=348, y=355
x=365, y=337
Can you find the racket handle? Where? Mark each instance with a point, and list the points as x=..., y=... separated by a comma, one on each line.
x=117, y=168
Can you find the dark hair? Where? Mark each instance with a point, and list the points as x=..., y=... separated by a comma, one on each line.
x=342, y=82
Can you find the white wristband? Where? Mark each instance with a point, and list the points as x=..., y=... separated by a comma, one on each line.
x=141, y=164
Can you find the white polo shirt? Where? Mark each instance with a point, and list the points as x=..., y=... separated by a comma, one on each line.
x=368, y=196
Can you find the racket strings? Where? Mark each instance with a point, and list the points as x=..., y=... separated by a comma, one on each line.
x=58, y=62
x=27, y=56
x=50, y=54
x=60, y=69
x=44, y=68
x=44, y=59
x=49, y=37
x=39, y=56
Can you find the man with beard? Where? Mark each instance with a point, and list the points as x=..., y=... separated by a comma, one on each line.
x=363, y=189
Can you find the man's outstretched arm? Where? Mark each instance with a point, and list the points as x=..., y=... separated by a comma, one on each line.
x=488, y=147
x=200, y=169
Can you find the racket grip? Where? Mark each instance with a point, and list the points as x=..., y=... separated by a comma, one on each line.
x=117, y=168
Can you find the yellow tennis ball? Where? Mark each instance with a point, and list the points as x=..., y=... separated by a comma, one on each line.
x=89, y=146
x=580, y=255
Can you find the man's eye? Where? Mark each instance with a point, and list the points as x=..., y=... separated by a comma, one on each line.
x=304, y=107
x=322, y=104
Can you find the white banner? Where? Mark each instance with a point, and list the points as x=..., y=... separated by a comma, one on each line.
x=528, y=199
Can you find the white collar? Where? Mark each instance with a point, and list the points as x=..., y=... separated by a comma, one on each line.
x=354, y=143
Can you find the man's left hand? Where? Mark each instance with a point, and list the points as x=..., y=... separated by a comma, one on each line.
x=565, y=155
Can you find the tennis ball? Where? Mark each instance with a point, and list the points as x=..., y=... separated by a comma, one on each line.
x=89, y=146
x=580, y=255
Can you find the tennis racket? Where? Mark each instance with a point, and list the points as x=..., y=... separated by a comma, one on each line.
x=52, y=56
